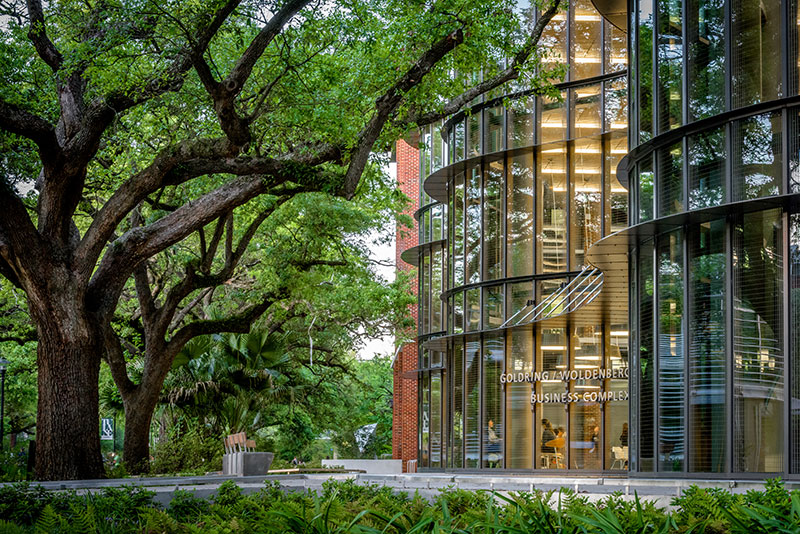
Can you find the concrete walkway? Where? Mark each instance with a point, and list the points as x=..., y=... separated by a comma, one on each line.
x=427, y=485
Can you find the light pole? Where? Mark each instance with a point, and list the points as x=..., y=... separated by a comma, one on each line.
x=3, y=365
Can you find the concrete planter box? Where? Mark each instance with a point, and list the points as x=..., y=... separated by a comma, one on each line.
x=372, y=467
x=246, y=463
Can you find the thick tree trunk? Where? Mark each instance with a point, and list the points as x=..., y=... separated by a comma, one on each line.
x=67, y=423
x=136, y=448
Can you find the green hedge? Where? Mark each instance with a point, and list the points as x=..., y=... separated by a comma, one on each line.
x=349, y=508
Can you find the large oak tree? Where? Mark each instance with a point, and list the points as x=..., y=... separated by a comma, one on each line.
x=107, y=108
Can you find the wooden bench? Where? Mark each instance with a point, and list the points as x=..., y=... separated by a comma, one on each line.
x=241, y=459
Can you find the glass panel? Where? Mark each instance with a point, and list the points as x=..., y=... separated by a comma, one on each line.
x=520, y=216
x=425, y=419
x=705, y=33
x=492, y=402
x=585, y=61
x=757, y=343
x=458, y=313
x=518, y=296
x=707, y=441
x=473, y=228
x=437, y=160
x=645, y=183
x=457, y=222
x=794, y=333
x=473, y=399
x=616, y=194
x=647, y=360
x=794, y=150
x=670, y=176
x=553, y=119
x=757, y=156
x=520, y=122
x=671, y=431
x=437, y=213
x=616, y=106
x=436, y=419
x=494, y=129
x=457, y=430
x=474, y=134
x=586, y=415
x=493, y=307
x=670, y=64
x=756, y=47
x=616, y=48
x=494, y=215
x=425, y=303
x=793, y=50
x=586, y=220
x=473, y=310
x=707, y=169
x=551, y=209
x=551, y=417
x=424, y=156
x=586, y=112
x=616, y=410
x=554, y=40
x=519, y=425
x=645, y=53
x=436, y=290
x=460, y=142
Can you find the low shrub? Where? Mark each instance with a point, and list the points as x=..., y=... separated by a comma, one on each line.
x=346, y=507
x=189, y=453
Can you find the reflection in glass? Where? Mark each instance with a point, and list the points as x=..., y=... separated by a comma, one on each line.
x=794, y=333
x=552, y=119
x=794, y=150
x=520, y=122
x=587, y=118
x=705, y=33
x=645, y=183
x=586, y=220
x=425, y=301
x=707, y=169
x=586, y=49
x=645, y=53
x=472, y=363
x=436, y=419
x=616, y=209
x=616, y=48
x=647, y=361
x=457, y=223
x=492, y=402
x=551, y=216
x=670, y=176
x=436, y=290
x=757, y=156
x=472, y=232
x=457, y=383
x=707, y=432
x=460, y=141
x=494, y=129
x=670, y=64
x=473, y=311
x=474, y=135
x=424, y=420
x=493, y=307
x=458, y=313
x=494, y=215
x=671, y=431
x=616, y=106
x=519, y=420
x=756, y=34
x=757, y=343
x=519, y=193
x=519, y=294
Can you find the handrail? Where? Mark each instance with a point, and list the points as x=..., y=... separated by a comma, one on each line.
x=581, y=290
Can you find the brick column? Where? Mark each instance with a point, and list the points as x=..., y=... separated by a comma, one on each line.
x=404, y=417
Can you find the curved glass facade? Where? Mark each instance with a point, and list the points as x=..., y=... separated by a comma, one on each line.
x=522, y=190
x=715, y=254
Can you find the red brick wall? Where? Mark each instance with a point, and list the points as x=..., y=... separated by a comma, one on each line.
x=404, y=417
